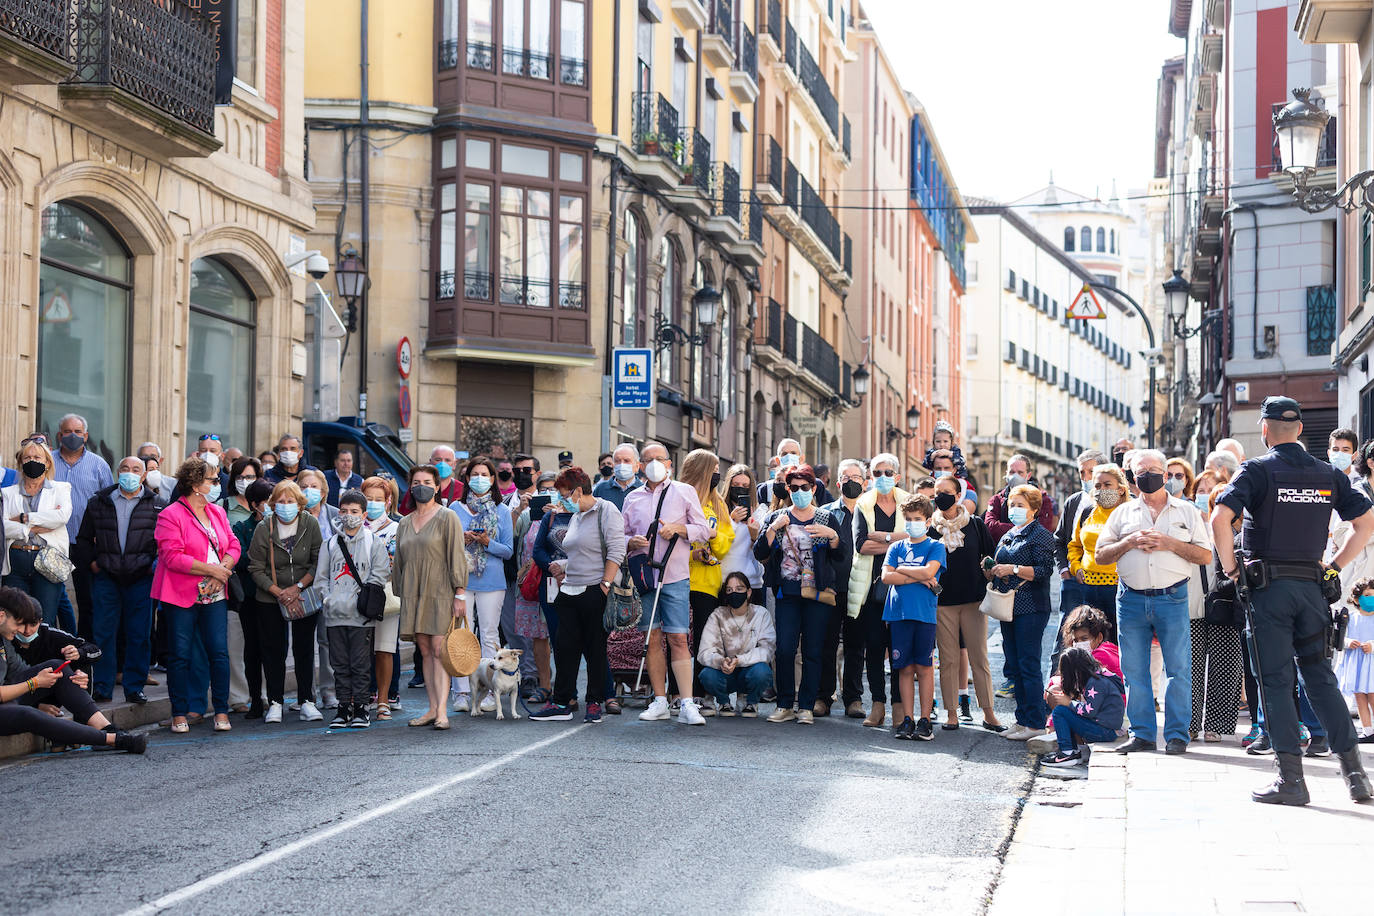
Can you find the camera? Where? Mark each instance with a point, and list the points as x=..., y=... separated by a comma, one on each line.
x=317, y=265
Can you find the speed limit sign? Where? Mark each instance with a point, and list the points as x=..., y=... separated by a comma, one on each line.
x=403, y=357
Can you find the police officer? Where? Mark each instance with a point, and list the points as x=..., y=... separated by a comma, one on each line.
x=1286, y=497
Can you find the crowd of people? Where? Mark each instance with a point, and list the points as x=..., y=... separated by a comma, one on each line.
x=693, y=589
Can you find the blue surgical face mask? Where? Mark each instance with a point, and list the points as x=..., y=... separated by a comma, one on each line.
x=312, y=497
x=939, y=474
x=884, y=484
x=34, y=635
x=286, y=511
x=916, y=530
x=1200, y=500
x=1367, y=603
x=444, y=468
x=375, y=509
x=1017, y=515
x=1088, y=487
x=790, y=460
x=479, y=485
x=213, y=495
x=568, y=503
x=1339, y=460
x=129, y=482
x=624, y=471
x=802, y=498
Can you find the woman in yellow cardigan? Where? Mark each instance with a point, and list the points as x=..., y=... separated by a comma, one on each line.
x=701, y=471
x=1098, y=580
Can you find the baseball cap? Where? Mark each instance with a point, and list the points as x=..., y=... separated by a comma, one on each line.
x=1280, y=408
x=565, y=456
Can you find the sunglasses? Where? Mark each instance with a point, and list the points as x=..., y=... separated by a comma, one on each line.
x=799, y=488
x=884, y=473
x=41, y=440
x=1179, y=476
x=209, y=436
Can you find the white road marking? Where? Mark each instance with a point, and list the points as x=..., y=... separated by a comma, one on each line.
x=256, y=863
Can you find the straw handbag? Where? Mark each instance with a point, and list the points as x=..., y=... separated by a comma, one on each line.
x=462, y=652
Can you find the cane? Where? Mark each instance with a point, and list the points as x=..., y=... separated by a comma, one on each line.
x=653, y=611
x=1243, y=596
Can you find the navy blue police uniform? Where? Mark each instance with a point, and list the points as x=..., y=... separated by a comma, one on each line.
x=1286, y=498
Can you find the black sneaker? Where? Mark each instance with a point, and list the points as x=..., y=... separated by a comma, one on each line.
x=1319, y=747
x=359, y=717
x=552, y=712
x=924, y=731
x=906, y=731
x=130, y=742
x=1260, y=746
x=965, y=713
x=770, y=695
x=1064, y=759
x=342, y=716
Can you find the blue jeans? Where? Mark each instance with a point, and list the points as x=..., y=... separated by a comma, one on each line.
x=1072, y=729
x=1021, y=639
x=751, y=681
x=128, y=608
x=30, y=581
x=1165, y=617
x=801, y=620
x=212, y=623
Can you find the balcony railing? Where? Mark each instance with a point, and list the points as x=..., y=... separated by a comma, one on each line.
x=789, y=337
x=848, y=262
x=755, y=218
x=789, y=192
x=819, y=90
x=747, y=57
x=523, y=62
x=817, y=215
x=572, y=71
x=481, y=55
x=820, y=358
x=789, y=50
x=159, y=51
x=727, y=192
x=656, y=127
x=773, y=21
x=477, y=285
x=773, y=173
x=720, y=22
x=846, y=382
x=697, y=158
x=844, y=137
x=773, y=330
x=533, y=291
x=39, y=23
x=448, y=54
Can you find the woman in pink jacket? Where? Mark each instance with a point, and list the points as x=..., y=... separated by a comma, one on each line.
x=196, y=553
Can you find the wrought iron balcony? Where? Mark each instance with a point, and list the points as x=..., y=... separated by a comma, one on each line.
x=727, y=192
x=772, y=175
x=721, y=23
x=532, y=291
x=772, y=22
x=572, y=71
x=481, y=55
x=697, y=159
x=448, y=54
x=747, y=61
x=848, y=263
x=844, y=137
x=789, y=50
x=151, y=64
x=790, y=181
x=789, y=337
x=773, y=329
x=817, y=215
x=755, y=219
x=820, y=358
x=33, y=40
x=523, y=62
x=813, y=80
x=656, y=127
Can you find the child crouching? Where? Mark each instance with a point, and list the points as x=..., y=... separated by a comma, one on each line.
x=736, y=651
x=349, y=632
x=1088, y=707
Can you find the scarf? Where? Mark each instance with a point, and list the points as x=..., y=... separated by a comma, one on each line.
x=951, y=529
x=485, y=521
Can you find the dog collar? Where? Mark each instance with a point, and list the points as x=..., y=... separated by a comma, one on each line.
x=509, y=673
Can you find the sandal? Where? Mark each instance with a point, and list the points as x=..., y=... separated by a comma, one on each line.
x=180, y=728
x=383, y=711
x=994, y=728
x=222, y=726
x=949, y=726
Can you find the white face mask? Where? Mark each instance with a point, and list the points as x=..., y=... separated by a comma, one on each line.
x=289, y=458
x=241, y=485
x=210, y=458
x=657, y=471
x=1083, y=644
x=153, y=478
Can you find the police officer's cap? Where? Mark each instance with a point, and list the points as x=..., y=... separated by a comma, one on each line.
x=1280, y=408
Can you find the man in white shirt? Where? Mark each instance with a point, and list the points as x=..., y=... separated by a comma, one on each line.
x=1155, y=541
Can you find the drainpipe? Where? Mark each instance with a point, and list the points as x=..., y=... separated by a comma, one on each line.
x=364, y=176
x=610, y=240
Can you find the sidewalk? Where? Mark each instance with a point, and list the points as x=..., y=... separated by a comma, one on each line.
x=1150, y=834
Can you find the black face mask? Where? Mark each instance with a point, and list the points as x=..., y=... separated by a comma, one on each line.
x=945, y=501
x=524, y=478
x=504, y=476
x=779, y=489
x=1118, y=458
x=1130, y=477
x=715, y=480
x=606, y=471
x=422, y=494
x=739, y=496
x=1150, y=481
x=34, y=469
x=852, y=489
x=736, y=599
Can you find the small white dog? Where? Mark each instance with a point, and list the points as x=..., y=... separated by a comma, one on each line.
x=499, y=676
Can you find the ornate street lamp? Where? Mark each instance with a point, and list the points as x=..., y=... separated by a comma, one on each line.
x=1299, y=127
x=351, y=279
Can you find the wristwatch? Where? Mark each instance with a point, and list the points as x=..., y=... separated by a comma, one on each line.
x=889, y=538
x=606, y=585
x=1334, y=565
x=301, y=585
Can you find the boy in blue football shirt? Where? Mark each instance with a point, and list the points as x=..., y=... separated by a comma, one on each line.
x=912, y=572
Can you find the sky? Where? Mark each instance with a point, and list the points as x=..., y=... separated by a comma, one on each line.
x=1019, y=88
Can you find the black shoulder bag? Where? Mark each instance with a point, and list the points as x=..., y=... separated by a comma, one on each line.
x=643, y=570
x=371, y=598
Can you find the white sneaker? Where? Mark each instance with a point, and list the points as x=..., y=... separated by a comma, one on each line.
x=1015, y=733
x=488, y=703
x=331, y=700
x=1025, y=734
x=273, y=715
x=657, y=711
x=309, y=713
x=689, y=714
x=295, y=705
x=462, y=702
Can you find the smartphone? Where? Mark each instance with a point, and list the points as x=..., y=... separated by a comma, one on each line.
x=537, y=504
x=58, y=669
x=739, y=496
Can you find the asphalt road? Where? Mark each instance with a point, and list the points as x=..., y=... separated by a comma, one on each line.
x=518, y=817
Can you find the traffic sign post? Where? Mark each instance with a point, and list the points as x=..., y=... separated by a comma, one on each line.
x=1086, y=305
x=632, y=378
x=403, y=357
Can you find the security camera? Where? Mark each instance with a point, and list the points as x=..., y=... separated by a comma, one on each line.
x=317, y=265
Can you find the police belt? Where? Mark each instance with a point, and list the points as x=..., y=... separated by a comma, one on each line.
x=1306, y=570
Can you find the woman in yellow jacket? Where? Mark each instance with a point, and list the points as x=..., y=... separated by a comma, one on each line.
x=701, y=471
x=1098, y=580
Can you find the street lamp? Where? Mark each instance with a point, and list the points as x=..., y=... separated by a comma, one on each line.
x=913, y=419
x=705, y=306
x=350, y=276
x=706, y=301
x=1299, y=127
x=859, y=378
x=1176, y=296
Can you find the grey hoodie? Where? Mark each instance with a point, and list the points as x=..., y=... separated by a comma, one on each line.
x=340, y=591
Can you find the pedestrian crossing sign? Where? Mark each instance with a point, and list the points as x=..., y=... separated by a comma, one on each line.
x=1086, y=304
